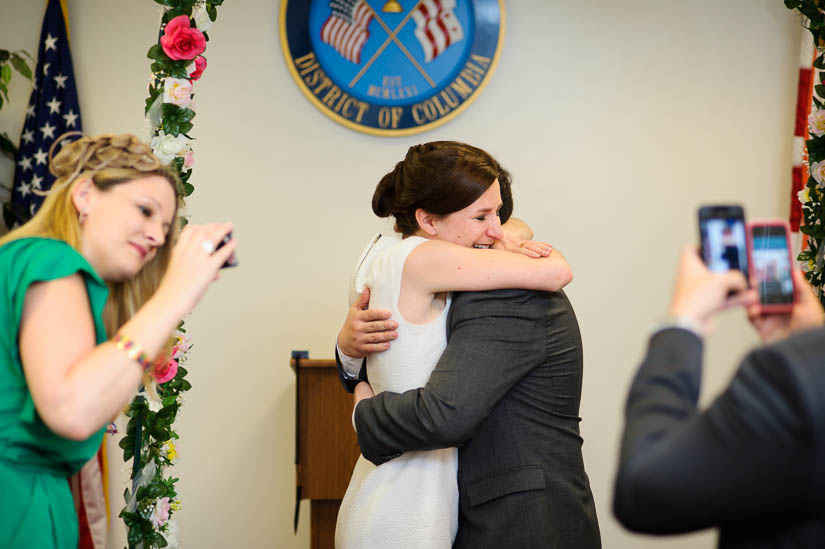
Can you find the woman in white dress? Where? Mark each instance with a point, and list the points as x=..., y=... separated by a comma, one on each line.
x=448, y=200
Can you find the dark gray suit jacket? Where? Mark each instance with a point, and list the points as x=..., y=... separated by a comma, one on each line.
x=506, y=391
x=752, y=464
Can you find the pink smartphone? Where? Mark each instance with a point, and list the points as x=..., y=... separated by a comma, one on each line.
x=771, y=265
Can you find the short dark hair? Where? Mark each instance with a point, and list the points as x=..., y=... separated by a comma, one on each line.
x=440, y=177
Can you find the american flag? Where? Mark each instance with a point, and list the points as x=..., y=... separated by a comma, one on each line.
x=346, y=29
x=437, y=27
x=53, y=110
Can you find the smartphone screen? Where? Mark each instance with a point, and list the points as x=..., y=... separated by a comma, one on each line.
x=771, y=264
x=723, y=238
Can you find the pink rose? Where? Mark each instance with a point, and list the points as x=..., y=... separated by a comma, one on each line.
x=160, y=514
x=165, y=370
x=180, y=41
x=200, y=66
x=189, y=159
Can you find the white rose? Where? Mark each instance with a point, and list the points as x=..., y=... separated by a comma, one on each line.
x=177, y=91
x=201, y=17
x=167, y=147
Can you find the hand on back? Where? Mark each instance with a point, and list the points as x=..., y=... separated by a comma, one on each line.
x=366, y=331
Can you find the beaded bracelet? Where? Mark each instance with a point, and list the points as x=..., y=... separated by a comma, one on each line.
x=133, y=350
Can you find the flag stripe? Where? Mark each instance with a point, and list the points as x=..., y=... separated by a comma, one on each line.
x=345, y=30
x=437, y=27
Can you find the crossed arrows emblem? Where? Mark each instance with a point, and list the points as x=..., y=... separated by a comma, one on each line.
x=392, y=38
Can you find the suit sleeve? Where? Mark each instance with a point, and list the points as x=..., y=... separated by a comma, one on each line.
x=496, y=338
x=348, y=382
x=748, y=456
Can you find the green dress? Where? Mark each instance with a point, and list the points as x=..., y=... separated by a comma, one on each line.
x=36, y=506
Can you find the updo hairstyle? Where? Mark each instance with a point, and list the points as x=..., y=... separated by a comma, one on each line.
x=108, y=160
x=440, y=177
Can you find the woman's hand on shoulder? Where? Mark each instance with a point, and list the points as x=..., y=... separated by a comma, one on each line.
x=196, y=263
x=530, y=248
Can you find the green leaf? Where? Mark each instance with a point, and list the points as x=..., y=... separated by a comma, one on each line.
x=155, y=539
x=21, y=66
x=819, y=62
x=813, y=230
x=170, y=111
x=211, y=11
x=7, y=147
x=187, y=189
x=179, y=70
x=155, y=52
x=185, y=385
x=185, y=115
x=130, y=519
x=5, y=74
x=157, y=490
x=166, y=412
x=135, y=535
x=127, y=442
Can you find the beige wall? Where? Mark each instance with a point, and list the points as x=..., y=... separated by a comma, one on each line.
x=616, y=118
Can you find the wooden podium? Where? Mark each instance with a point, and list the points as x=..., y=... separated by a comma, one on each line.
x=326, y=447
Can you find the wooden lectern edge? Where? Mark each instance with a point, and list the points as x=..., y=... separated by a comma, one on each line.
x=314, y=363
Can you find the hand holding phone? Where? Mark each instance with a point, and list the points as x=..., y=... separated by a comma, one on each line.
x=723, y=239
x=769, y=253
x=232, y=261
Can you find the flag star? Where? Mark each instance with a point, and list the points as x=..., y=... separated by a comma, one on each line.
x=25, y=163
x=41, y=156
x=36, y=181
x=48, y=130
x=54, y=105
x=60, y=80
x=28, y=136
x=70, y=118
x=45, y=69
x=30, y=111
x=25, y=189
x=51, y=42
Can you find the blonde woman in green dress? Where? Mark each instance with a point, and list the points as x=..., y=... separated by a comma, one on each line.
x=91, y=289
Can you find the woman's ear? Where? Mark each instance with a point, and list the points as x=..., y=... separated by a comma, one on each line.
x=82, y=192
x=426, y=221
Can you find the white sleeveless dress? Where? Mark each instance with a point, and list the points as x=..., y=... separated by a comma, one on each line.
x=412, y=500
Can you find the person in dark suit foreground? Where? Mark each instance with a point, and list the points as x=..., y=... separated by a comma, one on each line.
x=753, y=463
x=506, y=391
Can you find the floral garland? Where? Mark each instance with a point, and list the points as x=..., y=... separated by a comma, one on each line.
x=812, y=194
x=150, y=436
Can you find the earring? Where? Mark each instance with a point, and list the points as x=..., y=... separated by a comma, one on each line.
x=81, y=217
